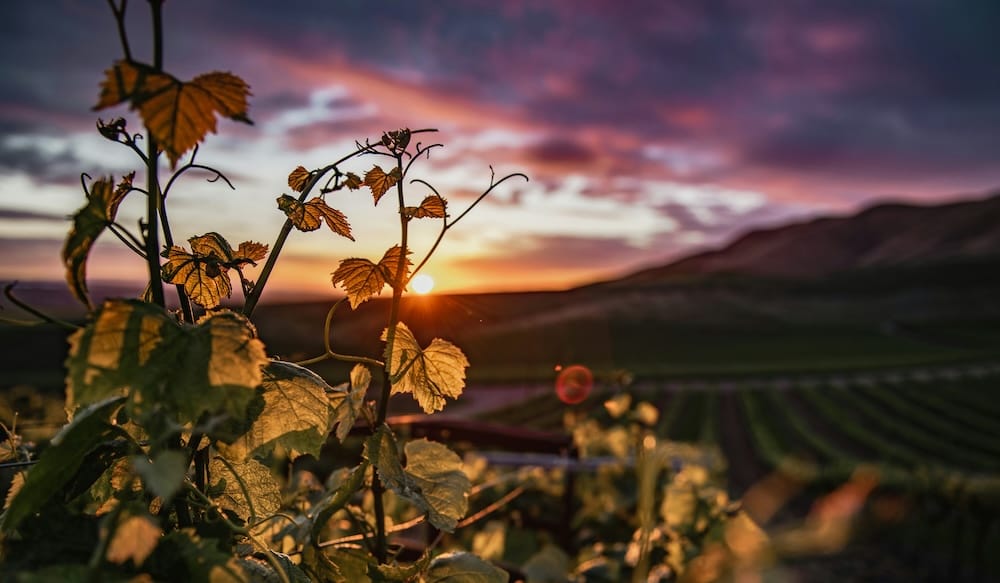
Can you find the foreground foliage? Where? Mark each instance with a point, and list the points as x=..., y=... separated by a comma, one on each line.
x=176, y=461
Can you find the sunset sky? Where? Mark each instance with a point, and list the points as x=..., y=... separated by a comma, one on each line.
x=648, y=129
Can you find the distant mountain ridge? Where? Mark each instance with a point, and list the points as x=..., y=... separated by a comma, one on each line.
x=890, y=234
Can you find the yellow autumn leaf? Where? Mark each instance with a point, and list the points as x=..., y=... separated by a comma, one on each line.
x=310, y=215
x=432, y=207
x=389, y=264
x=361, y=279
x=298, y=178
x=431, y=374
x=205, y=279
x=250, y=251
x=88, y=223
x=379, y=182
x=178, y=114
x=134, y=538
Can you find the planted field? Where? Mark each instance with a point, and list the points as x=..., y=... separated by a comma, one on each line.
x=930, y=445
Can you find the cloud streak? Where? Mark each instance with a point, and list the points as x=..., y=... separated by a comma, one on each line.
x=801, y=108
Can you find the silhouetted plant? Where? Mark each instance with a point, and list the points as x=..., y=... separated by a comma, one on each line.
x=162, y=471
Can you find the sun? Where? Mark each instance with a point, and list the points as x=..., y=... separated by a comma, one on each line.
x=422, y=283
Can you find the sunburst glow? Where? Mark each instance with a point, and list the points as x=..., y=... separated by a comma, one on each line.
x=422, y=283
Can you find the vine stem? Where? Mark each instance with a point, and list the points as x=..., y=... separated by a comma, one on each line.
x=286, y=229
x=236, y=529
x=381, y=544
x=329, y=350
x=153, y=201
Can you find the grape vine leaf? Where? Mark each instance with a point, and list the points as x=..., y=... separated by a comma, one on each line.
x=296, y=415
x=433, y=207
x=164, y=474
x=352, y=181
x=205, y=280
x=379, y=182
x=431, y=374
x=61, y=460
x=250, y=252
x=211, y=367
x=135, y=538
x=461, y=566
x=204, y=561
x=389, y=265
x=298, y=178
x=89, y=222
x=432, y=478
x=437, y=474
x=247, y=489
x=348, y=400
x=177, y=114
x=362, y=279
x=310, y=215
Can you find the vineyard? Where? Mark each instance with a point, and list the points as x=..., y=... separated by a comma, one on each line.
x=919, y=452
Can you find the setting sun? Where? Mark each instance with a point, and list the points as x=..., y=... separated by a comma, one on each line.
x=422, y=283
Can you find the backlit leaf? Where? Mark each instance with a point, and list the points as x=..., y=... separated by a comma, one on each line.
x=250, y=252
x=212, y=245
x=61, y=460
x=389, y=264
x=89, y=222
x=296, y=415
x=205, y=279
x=177, y=114
x=134, y=539
x=310, y=215
x=360, y=278
x=379, y=182
x=431, y=374
x=433, y=207
x=212, y=367
x=461, y=566
x=432, y=478
x=248, y=489
x=298, y=178
x=348, y=402
x=436, y=471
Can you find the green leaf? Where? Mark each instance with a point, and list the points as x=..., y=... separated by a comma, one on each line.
x=321, y=566
x=193, y=559
x=383, y=453
x=89, y=222
x=131, y=346
x=296, y=415
x=60, y=462
x=461, y=567
x=550, y=564
x=164, y=474
x=348, y=401
x=335, y=501
x=353, y=565
x=432, y=479
x=431, y=374
x=436, y=471
x=294, y=573
x=247, y=489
